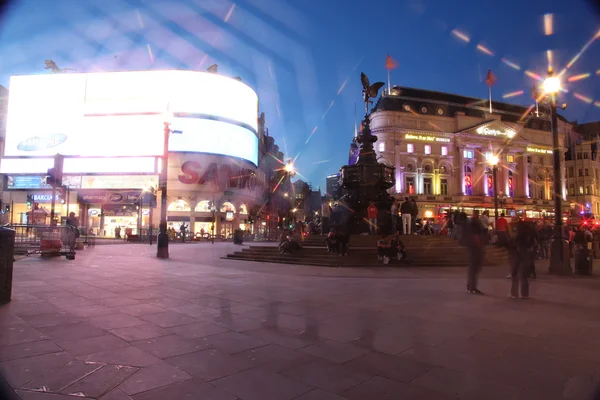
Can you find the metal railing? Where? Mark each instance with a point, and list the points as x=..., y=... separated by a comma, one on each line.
x=44, y=239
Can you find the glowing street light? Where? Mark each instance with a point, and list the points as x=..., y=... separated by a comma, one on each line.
x=551, y=84
x=289, y=168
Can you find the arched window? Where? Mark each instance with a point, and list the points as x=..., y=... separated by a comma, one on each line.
x=227, y=206
x=243, y=209
x=468, y=181
x=179, y=205
x=203, y=206
x=489, y=182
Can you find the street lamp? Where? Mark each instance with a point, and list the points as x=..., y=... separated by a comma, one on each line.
x=560, y=262
x=213, y=209
x=493, y=161
x=290, y=169
x=162, y=250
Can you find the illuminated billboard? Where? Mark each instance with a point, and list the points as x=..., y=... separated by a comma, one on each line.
x=122, y=114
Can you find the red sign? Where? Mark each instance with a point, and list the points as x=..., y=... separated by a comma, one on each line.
x=224, y=176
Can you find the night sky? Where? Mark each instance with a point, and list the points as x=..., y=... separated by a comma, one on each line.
x=304, y=57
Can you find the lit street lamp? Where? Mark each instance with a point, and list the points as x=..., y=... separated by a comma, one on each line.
x=493, y=161
x=560, y=263
x=162, y=250
x=290, y=169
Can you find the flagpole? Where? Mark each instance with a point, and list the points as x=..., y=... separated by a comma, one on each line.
x=389, y=84
x=490, y=92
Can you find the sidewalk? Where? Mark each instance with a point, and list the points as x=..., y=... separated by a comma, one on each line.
x=118, y=324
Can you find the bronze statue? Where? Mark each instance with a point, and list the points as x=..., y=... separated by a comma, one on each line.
x=369, y=91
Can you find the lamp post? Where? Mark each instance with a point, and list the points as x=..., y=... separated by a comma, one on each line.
x=560, y=263
x=493, y=162
x=213, y=209
x=162, y=242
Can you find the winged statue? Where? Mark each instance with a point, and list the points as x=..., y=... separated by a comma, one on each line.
x=369, y=91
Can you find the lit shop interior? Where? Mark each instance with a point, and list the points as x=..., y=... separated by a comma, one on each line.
x=228, y=217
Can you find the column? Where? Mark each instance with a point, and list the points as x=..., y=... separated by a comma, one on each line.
x=525, y=177
x=399, y=168
x=419, y=181
x=437, y=184
x=460, y=185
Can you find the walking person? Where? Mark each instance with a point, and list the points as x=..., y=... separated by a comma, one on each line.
x=473, y=237
x=394, y=215
x=522, y=249
x=502, y=231
x=405, y=211
x=414, y=214
x=372, y=212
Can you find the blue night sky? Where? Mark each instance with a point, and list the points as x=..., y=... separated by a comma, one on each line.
x=304, y=57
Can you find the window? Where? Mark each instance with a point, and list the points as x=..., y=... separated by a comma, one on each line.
x=444, y=187
x=382, y=146
x=468, y=154
x=510, y=158
x=426, y=185
x=587, y=190
x=410, y=185
x=542, y=193
x=410, y=148
x=444, y=150
x=580, y=172
x=427, y=149
x=587, y=172
x=571, y=189
x=528, y=159
x=570, y=172
x=579, y=156
x=580, y=189
x=586, y=155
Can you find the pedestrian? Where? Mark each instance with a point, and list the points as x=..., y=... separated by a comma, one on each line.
x=414, y=214
x=523, y=248
x=502, y=231
x=394, y=215
x=473, y=238
x=405, y=211
x=372, y=212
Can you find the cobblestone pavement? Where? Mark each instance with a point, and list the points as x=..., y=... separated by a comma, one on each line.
x=119, y=324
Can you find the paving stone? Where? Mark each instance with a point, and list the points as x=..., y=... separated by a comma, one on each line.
x=53, y=319
x=114, y=321
x=72, y=332
x=274, y=358
x=209, y=364
x=168, y=319
x=191, y=389
x=329, y=376
x=198, y=330
x=131, y=356
x=28, y=350
x=319, y=394
x=92, y=345
x=100, y=381
x=169, y=346
x=141, y=309
x=152, y=377
x=232, y=342
x=258, y=384
x=16, y=334
x=393, y=367
x=333, y=351
x=29, y=395
x=55, y=381
x=115, y=394
x=139, y=332
x=283, y=337
x=18, y=372
x=379, y=388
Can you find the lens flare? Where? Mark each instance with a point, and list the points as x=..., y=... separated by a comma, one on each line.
x=513, y=94
x=510, y=64
x=579, y=77
x=549, y=55
x=583, y=98
x=548, y=24
x=533, y=75
x=343, y=86
x=461, y=35
x=484, y=49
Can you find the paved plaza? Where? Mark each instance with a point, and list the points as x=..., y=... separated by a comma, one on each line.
x=118, y=324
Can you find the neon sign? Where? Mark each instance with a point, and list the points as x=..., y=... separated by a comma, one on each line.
x=537, y=150
x=495, y=132
x=427, y=138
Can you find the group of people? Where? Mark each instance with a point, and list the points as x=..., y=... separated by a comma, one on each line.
x=391, y=248
x=405, y=213
x=337, y=242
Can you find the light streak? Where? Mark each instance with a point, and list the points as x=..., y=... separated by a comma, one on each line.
x=150, y=53
x=311, y=135
x=583, y=98
x=579, y=77
x=343, y=86
x=321, y=162
x=462, y=36
x=548, y=28
x=510, y=64
x=229, y=13
x=484, y=49
x=326, y=111
x=513, y=94
x=549, y=55
x=533, y=75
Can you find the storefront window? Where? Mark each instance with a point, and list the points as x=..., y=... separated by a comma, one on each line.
x=227, y=206
x=203, y=206
x=243, y=209
x=179, y=205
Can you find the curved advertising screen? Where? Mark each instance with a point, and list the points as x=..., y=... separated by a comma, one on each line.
x=122, y=114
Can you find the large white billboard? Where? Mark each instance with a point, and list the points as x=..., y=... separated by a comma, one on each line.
x=122, y=114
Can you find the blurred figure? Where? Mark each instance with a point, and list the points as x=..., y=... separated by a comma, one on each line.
x=331, y=241
x=523, y=250
x=372, y=211
x=394, y=215
x=406, y=211
x=384, y=249
x=473, y=238
x=502, y=231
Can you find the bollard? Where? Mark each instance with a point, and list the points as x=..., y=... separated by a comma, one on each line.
x=7, y=250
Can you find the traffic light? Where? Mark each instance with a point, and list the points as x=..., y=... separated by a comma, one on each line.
x=7, y=208
x=29, y=201
x=51, y=178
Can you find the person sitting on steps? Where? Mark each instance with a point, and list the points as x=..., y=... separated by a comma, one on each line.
x=384, y=249
x=331, y=241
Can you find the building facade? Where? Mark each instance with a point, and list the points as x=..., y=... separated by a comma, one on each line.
x=583, y=169
x=218, y=168
x=334, y=191
x=441, y=146
x=3, y=114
